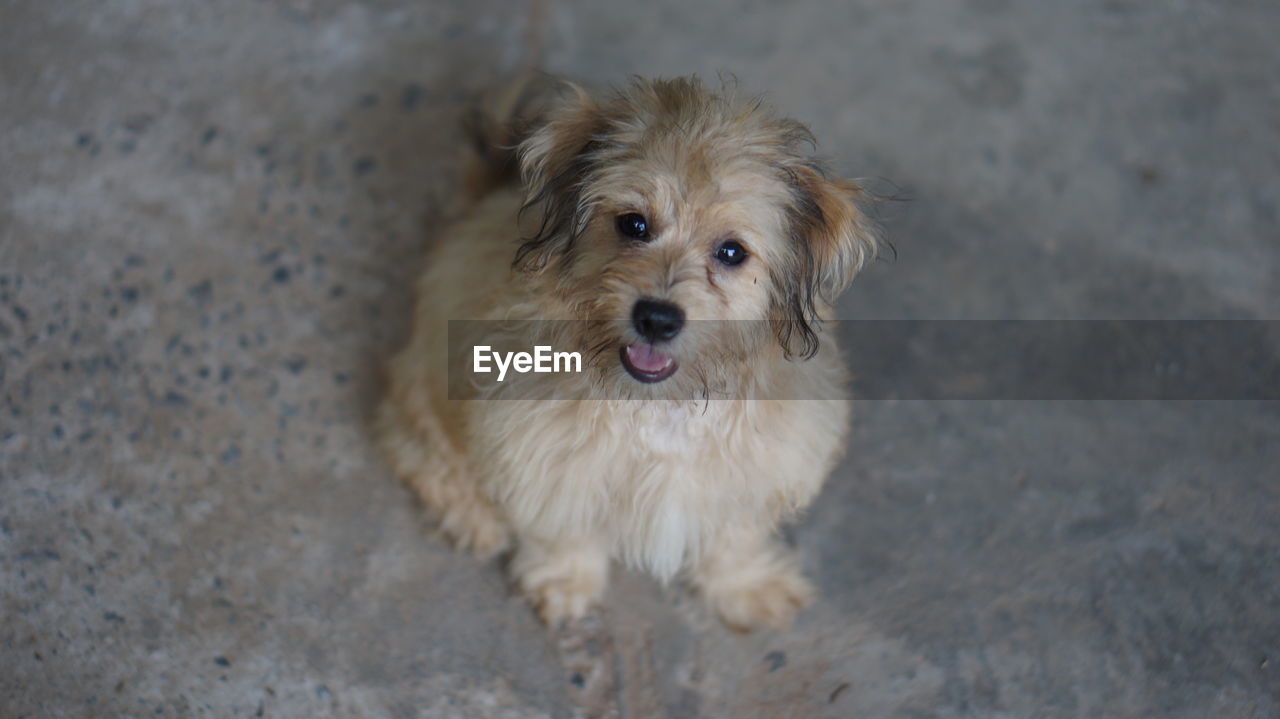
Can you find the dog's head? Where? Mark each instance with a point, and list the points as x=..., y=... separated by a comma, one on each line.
x=694, y=229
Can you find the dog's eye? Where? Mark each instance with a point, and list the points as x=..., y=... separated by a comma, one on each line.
x=633, y=225
x=731, y=252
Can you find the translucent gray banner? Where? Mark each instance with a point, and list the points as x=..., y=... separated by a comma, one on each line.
x=917, y=359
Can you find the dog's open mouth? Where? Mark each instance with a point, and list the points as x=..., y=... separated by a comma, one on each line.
x=647, y=364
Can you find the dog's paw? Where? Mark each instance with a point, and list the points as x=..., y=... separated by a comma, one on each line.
x=562, y=601
x=770, y=600
x=563, y=585
x=476, y=528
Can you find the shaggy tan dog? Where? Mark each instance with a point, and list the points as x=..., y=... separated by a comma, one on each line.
x=692, y=246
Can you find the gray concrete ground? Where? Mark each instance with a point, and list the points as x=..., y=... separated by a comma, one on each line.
x=209, y=215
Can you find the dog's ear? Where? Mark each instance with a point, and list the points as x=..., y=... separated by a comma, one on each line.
x=832, y=240
x=555, y=161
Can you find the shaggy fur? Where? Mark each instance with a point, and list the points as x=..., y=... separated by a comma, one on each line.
x=691, y=474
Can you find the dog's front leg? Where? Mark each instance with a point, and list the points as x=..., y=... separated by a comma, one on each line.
x=563, y=576
x=750, y=579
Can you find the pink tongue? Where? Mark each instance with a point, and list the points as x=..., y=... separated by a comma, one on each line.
x=647, y=359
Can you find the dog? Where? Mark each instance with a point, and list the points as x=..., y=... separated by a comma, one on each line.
x=691, y=242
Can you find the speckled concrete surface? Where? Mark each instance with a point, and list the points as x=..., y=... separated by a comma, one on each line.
x=209, y=215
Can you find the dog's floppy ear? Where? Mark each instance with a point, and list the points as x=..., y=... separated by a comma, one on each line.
x=555, y=162
x=832, y=240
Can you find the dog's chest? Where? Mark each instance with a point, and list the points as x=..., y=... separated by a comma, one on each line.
x=672, y=488
x=671, y=431
x=659, y=480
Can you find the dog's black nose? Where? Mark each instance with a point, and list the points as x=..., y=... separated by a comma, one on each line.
x=656, y=320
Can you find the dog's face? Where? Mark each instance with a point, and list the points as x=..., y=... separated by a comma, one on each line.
x=690, y=229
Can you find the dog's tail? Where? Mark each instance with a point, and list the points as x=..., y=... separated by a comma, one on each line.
x=499, y=121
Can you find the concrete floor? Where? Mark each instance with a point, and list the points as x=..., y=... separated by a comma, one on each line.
x=209, y=216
